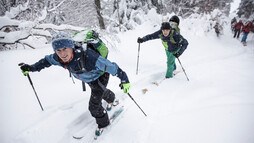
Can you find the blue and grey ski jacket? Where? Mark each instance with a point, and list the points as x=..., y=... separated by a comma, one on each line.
x=174, y=42
x=86, y=65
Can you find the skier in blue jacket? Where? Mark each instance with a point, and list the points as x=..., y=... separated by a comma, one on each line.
x=173, y=42
x=88, y=66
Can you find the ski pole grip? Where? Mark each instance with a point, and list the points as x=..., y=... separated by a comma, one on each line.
x=24, y=72
x=21, y=64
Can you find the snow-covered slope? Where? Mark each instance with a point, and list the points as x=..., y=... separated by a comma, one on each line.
x=216, y=105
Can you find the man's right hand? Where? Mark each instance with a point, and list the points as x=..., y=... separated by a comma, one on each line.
x=25, y=68
x=140, y=40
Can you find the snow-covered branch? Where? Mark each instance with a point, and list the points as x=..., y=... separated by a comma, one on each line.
x=26, y=29
x=56, y=6
x=14, y=11
x=60, y=27
x=7, y=22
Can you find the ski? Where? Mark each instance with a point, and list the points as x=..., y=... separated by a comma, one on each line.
x=111, y=119
x=177, y=72
x=157, y=83
x=84, y=132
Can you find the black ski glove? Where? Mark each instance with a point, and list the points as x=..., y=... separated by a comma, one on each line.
x=26, y=67
x=140, y=40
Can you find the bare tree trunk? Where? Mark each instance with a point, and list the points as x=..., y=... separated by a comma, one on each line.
x=116, y=7
x=98, y=10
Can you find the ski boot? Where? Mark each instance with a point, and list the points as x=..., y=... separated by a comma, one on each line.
x=98, y=131
x=110, y=105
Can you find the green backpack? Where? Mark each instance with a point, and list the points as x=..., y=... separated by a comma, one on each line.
x=91, y=38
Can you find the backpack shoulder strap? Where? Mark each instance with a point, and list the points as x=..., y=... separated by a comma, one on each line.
x=82, y=59
x=171, y=36
x=82, y=62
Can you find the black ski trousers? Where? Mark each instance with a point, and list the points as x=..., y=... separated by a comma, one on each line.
x=237, y=33
x=99, y=92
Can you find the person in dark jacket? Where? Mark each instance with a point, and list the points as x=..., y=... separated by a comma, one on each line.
x=217, y=28
x=238, y=26
x=174, y=22
x=246, y=30
x=173, y=42
x=86, y=65
x=233, y=22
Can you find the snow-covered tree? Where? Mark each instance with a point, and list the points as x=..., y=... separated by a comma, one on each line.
x=186, y=7
x=15, y=30
x=5, y=5
x=98, y=10
x=246, y=9
x=29, y=16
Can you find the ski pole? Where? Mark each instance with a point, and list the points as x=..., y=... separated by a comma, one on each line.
x=183, y=69
x=28, y=76
x=136, y=104
x=138, y=58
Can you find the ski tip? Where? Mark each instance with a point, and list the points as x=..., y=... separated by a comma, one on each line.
x=156, y=83
x=77, y=138
x=122, y=108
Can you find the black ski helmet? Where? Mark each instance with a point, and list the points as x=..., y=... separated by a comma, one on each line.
x=175, y=19
x=165, y=26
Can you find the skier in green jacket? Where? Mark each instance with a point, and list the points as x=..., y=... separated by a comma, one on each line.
x=173, y=42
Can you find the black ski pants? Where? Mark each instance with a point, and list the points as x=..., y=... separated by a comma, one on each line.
x=99, y=92
x=237, y=32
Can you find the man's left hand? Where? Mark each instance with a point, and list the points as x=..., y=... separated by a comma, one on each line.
x=125, y=87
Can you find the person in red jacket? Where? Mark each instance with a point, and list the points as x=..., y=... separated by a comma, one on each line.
x=246, y=31
x=238, y=27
